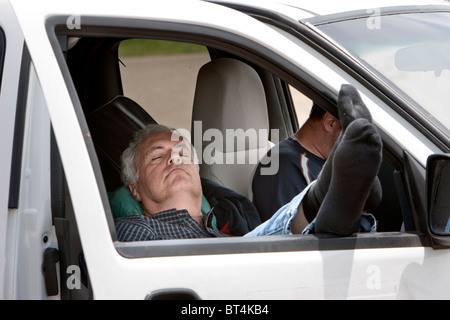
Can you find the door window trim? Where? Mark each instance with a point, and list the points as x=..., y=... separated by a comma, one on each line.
x=19, y=130
x=115, y=27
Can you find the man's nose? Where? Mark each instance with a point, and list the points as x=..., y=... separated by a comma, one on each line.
x=175, y=156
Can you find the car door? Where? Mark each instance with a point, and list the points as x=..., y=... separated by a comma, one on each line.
x=380, y=265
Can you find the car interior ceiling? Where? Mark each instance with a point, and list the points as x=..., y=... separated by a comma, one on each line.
x=94, y=67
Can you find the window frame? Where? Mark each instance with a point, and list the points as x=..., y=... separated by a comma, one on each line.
x=264, y=58
x=19, y=130
x=2, y=53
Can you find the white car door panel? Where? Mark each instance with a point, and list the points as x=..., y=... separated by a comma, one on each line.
x=369, y=266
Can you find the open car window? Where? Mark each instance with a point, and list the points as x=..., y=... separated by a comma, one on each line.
x=115, y=83
x=160, y=76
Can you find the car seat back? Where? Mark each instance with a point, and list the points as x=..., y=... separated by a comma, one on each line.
x=230, y=111
x=112, y=126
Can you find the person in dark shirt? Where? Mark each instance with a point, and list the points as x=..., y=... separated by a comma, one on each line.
x=301, y=158
x=161, y=172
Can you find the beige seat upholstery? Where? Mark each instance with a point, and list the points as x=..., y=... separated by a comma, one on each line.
x=230, y=118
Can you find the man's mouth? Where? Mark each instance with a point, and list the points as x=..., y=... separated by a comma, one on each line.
x=177, y=168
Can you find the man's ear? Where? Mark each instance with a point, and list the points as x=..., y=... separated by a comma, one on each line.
x=134, y=192
x=330, y=123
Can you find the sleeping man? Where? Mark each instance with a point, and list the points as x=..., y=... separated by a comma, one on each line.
x=158, y=168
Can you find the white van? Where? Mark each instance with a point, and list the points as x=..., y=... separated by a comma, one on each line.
x=70, y=97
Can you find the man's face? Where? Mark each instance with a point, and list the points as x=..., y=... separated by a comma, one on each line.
x=166, y=170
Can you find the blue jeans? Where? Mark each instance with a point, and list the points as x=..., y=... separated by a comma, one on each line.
x=280, y=223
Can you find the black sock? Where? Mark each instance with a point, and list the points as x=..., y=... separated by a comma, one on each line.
x=355, y=166
x=350, y=107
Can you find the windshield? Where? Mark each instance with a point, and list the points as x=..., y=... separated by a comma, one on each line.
x=411, y=50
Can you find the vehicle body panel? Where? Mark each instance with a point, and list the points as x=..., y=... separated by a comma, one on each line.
x=410, y=272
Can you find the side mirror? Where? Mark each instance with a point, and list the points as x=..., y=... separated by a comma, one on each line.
x=438, y=196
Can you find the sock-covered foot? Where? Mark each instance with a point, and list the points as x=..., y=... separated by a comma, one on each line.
x=355, y=166
x=350, y=107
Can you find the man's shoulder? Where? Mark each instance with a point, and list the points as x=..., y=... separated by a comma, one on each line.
x=288, y=152
x=134, y=227
x=166, y=216
x=291, y=149
x=132, y=218
x=291, y=146
x=287, y=148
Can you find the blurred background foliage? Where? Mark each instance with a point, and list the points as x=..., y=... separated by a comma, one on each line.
x=144, y=47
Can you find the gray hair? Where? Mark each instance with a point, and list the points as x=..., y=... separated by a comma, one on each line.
x=129, y=159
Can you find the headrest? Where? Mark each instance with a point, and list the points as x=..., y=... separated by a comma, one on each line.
x=112, y=126
x=230, y=95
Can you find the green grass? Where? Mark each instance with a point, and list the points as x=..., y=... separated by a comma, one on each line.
x=143, y=47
